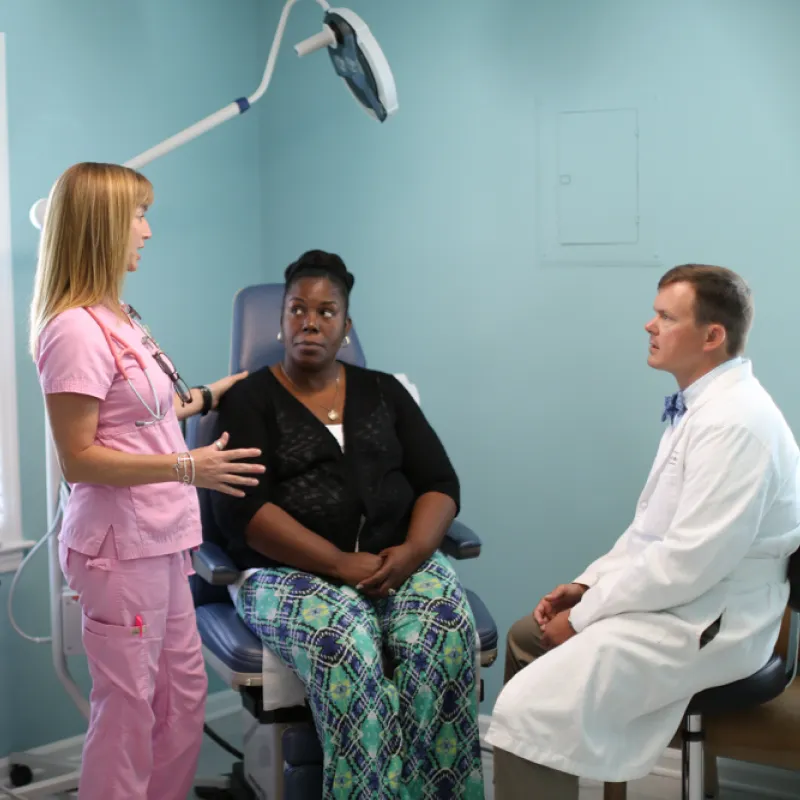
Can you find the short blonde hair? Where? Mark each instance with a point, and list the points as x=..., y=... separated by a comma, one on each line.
x=83, y=251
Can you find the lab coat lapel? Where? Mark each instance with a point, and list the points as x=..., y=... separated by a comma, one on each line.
x=672, y=438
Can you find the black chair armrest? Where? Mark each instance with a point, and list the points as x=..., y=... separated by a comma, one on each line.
x=792, y=647
x=461, y=542
x=214, y=565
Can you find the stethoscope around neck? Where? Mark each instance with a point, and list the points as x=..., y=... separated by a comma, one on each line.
x=118, y=353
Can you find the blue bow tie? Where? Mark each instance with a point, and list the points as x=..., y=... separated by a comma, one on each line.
x=674, y=408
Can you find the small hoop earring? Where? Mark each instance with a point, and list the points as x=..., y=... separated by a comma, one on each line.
x=280, y=336
x=346, y=341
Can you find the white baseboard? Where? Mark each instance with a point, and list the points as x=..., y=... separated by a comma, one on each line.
x=760, y=781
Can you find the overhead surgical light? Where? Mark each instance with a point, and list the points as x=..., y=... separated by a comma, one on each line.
x=357, y=59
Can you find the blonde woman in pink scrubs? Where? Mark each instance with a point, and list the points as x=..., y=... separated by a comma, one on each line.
x=114, y=400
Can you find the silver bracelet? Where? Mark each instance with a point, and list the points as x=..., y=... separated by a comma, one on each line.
x=180, y=466
x=176, y=467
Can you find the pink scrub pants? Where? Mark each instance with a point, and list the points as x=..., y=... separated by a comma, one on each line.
x=148, y=685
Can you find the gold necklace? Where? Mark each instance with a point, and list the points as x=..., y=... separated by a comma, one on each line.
x=333, y=414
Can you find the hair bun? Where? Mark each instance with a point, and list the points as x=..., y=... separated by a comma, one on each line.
x=349, y=280
x=321, y=261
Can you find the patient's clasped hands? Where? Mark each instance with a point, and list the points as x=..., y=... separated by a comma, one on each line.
x=378, y=575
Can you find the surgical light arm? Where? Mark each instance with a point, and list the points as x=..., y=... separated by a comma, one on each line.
x=224, y=114
x=359, y=62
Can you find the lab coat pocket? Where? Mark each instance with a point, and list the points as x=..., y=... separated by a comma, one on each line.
x=123, y=659
x=710, y=633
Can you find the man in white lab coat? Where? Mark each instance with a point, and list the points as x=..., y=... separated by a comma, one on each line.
x=693, y=592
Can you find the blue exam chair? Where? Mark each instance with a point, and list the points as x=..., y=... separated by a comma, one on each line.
x=282, y=755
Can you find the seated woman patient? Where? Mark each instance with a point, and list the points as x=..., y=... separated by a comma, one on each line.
x=339, y=547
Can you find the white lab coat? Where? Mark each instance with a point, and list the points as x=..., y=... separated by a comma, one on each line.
x=714, y=526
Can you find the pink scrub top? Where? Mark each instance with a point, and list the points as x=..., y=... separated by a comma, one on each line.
x=150, y=520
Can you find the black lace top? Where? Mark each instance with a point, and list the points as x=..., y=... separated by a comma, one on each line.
x=391, y=456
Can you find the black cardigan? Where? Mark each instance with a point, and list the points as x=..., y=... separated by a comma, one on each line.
x=391, y=456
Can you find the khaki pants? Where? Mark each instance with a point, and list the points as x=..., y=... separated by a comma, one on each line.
x=516, y=778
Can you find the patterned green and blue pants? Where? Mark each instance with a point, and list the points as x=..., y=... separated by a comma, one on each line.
x=414, y=736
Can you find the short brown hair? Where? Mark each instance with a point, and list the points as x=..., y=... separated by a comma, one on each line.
x=721, y=297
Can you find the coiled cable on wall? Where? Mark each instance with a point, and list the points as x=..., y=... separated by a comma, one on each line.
x=25, y=561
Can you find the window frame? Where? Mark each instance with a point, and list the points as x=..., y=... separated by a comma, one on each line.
x=12, y=544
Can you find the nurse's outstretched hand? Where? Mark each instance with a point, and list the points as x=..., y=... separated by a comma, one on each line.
x=225, y=470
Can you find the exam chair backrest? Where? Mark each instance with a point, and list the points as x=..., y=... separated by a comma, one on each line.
x=254, y=344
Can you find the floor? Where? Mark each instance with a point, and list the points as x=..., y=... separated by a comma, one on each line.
x=651, y=788
x=656, y=788
x=214, y=761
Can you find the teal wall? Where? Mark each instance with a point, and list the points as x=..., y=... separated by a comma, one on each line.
x=105, y=81
x=534, y=374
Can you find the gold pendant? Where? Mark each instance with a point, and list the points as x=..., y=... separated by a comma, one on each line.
x=332, y=415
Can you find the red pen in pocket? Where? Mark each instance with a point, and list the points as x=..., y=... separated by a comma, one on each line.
x=138, y=624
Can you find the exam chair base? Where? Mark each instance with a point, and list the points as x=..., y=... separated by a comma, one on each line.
x=282, y=758
x=50, y=776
